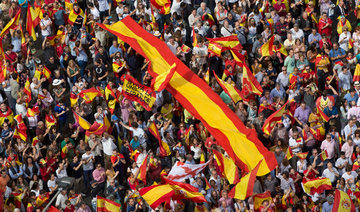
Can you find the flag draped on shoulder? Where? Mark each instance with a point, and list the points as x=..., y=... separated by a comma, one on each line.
x=106, y=205
x=163, y=146
x=73, y=15
x=182, y=171
x=342, y=202
x=242, y=144
x=260, y=198
x=244, y=188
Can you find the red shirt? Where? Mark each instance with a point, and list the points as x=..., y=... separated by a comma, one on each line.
x=71, y=209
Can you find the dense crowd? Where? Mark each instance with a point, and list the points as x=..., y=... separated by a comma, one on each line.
x=317, y=72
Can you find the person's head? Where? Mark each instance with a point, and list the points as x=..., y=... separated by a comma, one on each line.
x=285, y=175
x=329, y=165
x=342, y=154
x=336, y=46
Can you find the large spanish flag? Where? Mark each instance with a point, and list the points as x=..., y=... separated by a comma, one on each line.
x=244, y=188
x=271, y=121
x=156, y=194
x=317, y=185
x=106, y=205
x=230, y=90
x=194, y=94
x=227, y=167
x=342, y=202
x=229, y=42
x=163, y=146
x=267, y=49
x=13, y=24
x=32, y=20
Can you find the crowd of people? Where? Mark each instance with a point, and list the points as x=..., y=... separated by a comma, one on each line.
x=316, y=76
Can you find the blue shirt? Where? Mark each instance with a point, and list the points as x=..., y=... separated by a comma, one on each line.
x=25, y=5
x=59, y=17
x=278, y=93
x=335, y=53
x=329, y=112
x=350, y=99
x=114, y=49
x=59, y=109
x=326, y=207
x=316, y=37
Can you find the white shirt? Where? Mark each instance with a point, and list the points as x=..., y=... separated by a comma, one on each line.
x=292, y=143
x=62, y=173
x=95, y=12
x=339, y=162
x=226, y=32
x=60, y=200
x=350, y=176
x=108, y=146
x=103, y=5
x=90, y=165
x=297, y=35
x=47, y=30
x=175, y=7
x=139, y=133
x=51, y=183
x=344, y=37
x=301, y=167
x=173, y=47
x=328, y=174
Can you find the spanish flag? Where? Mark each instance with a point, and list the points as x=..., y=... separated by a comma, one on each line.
x=27, y=90
x=143, y=170
x=59, y=35
x=324, y=155
x=341, y=25
x=50, y=120
x=3, y=71
x=73, y=99
x=35, y=140
x=321, y=111
x=356, y=76
x=116, y=67
x=260, y=198
x=89, y=94
x=160, y=82
x=64, y=151
x=302, y=155
x=47, y=73
x=242, y=144
x=163, y=146
x=342, y=202
x=68, y=5
x=267, y=49
x=82, y=122
x=239, y=58
x=31, y=112
x=20, y=129
x=156, y=194
x=114, y=98
x=250, y=83
x=163, y=5
x=215, y=48
x=32, y=20
x=317, y=185
x=186, y=191
x=227, y=167
x=8, y=115
x=207, y=76
x=13, y=24
x=244, y=188
x=106, y=205
x=280, y=49
x=289, y=153
x=73, y=15
x=202, y=158
x=98, y=129
x=227, y=43
x=230, y=90
x=351, y=43
x=185, y=49
x=41, y=202
x=195, y=41
x=271, y=121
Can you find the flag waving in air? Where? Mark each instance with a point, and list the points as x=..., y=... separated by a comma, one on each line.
x=242, y=144
x=182, y=171
x=274, y=118
x=342, y=202
x=163, y=146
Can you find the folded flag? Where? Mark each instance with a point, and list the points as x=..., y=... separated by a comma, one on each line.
x=317, y=185
x=244, y=188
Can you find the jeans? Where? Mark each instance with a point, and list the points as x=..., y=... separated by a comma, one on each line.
x=82, y=65
x=87, y=178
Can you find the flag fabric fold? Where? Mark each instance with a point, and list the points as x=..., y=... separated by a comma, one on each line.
x=163, y=146
x=317, y=185
x=106, y=205
x=342, y=202
x=230, y=90
x=271, y=121
x=156, y=194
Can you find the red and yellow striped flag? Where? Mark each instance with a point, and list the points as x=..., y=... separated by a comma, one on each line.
x=271, y=121
x=227, y=43
x=82, y=122
x=47, y=73
x=162, y=5
x=185, y=49
x=13, y=24
x=356, y=76
x=20, y=129
x=260, y=198
x=73, y=15
x=160, y=82
x=163, y=146
x=250, y=83
x=268, y=47
x=32, y=20
x=73, y=99
x=156, y=194
x=242, y=144
x=302, y=155
x=186, y=191
x=227, y=167
x=3, y=71
x=27, y=90
x=230, y=90
x=202, y=158
x=324, y=155
x=50, y=120
x=280, y=49
x=342, y=202
x=142, y=170
x=115, y=98
x=89, y=94
x=215, y=48
x=289, y=153
x=244, y=188
x=195, y=41
x=106, y=205
x=31, y=112
x=317, y=185
x=35, y=140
